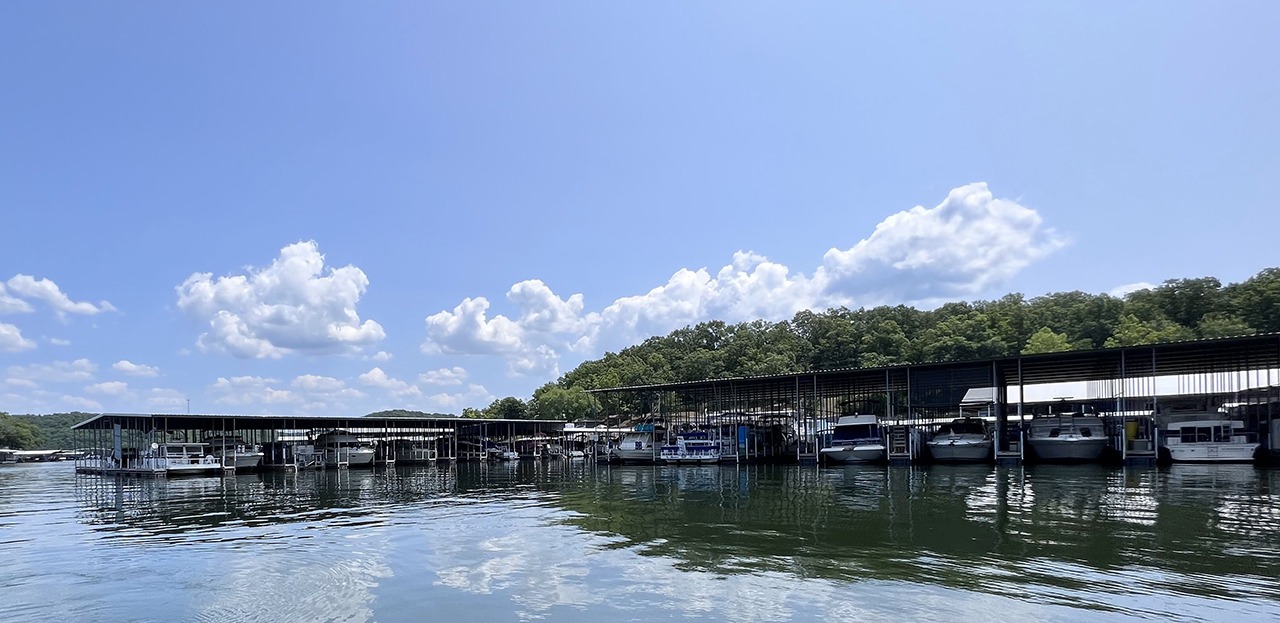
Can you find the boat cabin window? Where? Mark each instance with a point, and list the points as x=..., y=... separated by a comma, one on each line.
x=1054, y=432
x=1086, y=432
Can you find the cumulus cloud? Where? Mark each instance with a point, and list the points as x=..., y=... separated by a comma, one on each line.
x=81, y=403
x=59, y=341
x=109, y=388
x=293, y=305
x=251, y=390
x=12, y=305
x=326, y=387
x=27, y=383
x=444, y=376
x=381, y=355
x=474, y=394
x=134, y=369
x=11, y=339
x=165, y=398
x=377, y=378
x=48, y=292
x=80, y=370
x=970, y=243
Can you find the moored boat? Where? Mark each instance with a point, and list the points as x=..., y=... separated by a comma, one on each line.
x=638, y=445
x=178, y=458
x=692, y=447
x=1067, y=437
x=339, y=448
x=1209, y=439
x=961, y=440
x=232, y=451
x=855, y=439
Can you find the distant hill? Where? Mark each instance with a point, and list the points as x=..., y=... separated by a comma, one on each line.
x=404, y=413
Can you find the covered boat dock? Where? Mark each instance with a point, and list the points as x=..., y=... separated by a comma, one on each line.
x=1131, y=388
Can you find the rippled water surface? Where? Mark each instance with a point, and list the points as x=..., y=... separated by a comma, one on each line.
x=585, y=543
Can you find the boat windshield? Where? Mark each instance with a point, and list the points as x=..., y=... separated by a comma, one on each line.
x=855, y=431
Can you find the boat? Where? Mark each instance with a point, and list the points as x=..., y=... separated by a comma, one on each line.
x=691, y=447
x=577, y=455
x=1067, y=437
x=232, y=451
x=178, y=458
x=339, y=448
x=961, y=440
x=496, y=454
x=290, y=455
x=1209, y=438
x=638, y=444
x=855, y=439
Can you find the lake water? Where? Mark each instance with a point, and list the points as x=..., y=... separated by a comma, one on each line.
x=571, y=542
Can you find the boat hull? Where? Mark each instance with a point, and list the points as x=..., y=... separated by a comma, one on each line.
x=351, y=457
x=1213, y=453
x=635, y=455
x=1068, y=448
x=960, y=451
x=865, y=453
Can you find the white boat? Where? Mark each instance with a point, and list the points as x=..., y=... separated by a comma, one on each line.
x=178, y=458
x=962, y=440
x=693, y=447
x=855, y=439
x=232, y=451
x=577, y=455
x=638, y=445
x=1209, y=439
x=1067, y=437
x=338, y=448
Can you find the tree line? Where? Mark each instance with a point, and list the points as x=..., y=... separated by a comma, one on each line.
x=1178, y=309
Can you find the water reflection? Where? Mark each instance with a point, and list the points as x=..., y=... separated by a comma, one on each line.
x=729, y=542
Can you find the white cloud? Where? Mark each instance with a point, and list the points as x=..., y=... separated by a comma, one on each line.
x=10, y=304
x=11, y=339
x=970, y=243
x=325, y=387
x=164, y=398
x=1129, y=288
x=49, y=292
x=251, y=390
x=109, y=388
x=59, y=341
x=377, y=378
x=80, y=370
x=381, y=355
x=81, y=404
x=444, y=376
x=21, y=383
x=134, y=369
x=293, y=305
x=474, y=394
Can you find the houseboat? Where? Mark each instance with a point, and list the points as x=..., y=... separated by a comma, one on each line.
x=1209, y=439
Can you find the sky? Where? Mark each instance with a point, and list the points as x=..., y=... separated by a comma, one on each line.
x=337, y=208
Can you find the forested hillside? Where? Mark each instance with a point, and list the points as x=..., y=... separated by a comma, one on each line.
x=1178, y=309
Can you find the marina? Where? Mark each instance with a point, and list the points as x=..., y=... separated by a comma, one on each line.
x=1207, y=401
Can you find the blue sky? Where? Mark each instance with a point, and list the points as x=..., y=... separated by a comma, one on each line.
x=335, y=208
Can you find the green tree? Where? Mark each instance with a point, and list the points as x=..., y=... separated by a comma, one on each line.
x=509, y=408
x=17, y=434
x=1046, y=341
x=1133, y=332
x=1256, y=301
x=553, y=402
